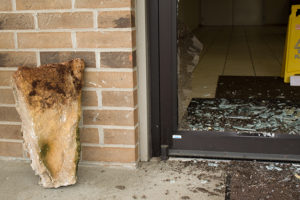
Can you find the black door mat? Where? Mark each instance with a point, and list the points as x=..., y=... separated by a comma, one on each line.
x=259, y=87
x=244, y=116
x=254, y=181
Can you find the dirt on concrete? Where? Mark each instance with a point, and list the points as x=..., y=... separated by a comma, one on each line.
x=175, y=179
x=156, y=180
x=251, y=180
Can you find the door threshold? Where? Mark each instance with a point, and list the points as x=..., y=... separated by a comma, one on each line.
x=233, y=155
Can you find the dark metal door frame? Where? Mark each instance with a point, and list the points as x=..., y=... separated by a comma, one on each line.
x=162, y=52
x=166, y=139
x=153, y=70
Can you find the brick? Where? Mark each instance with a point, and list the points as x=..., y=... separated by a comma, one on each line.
x=108, y=154
x=89, y=98
x=5, y=5
x=63, y=56
x=13, y=21
x=89, y=135
x=120, y=136
x=107, y=39
x=110, y=79
x=10, y=132
x=7, y=41
x=5, y=78
x=116, y=19
x=65, y=20
x=119, y=98
x=6, y=96
x=109, y=117
x=45, y=40
x=16, y=59
x=118, y=59
x=9, y=114
x=11, y=149
x=103, y=3
x=41, y=5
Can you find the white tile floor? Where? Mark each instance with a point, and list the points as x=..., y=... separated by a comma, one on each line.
x=238, y=51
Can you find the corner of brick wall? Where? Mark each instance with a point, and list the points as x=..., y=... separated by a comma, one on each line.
x=102, y=32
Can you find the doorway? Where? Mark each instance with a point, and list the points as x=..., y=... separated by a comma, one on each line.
x=226, y=53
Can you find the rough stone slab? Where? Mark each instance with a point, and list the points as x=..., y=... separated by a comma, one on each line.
x=49, y=103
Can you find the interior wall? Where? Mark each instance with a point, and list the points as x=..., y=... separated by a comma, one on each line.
x=244, y=12
x=247, y=12
x=276, y=11
x=216, y=12
x=190, y=12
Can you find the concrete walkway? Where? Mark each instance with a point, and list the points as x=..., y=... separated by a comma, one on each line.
x=169, y=180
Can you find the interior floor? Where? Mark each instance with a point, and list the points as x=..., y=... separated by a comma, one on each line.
x=237, y=51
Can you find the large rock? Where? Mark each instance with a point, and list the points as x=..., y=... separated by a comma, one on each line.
x=49, y=103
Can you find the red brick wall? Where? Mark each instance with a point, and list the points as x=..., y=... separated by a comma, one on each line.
x=102, y=32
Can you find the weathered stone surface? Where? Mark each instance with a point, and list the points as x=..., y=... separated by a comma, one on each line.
x=48, y=101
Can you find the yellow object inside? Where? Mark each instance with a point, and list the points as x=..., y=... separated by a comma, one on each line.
x=291, y=61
